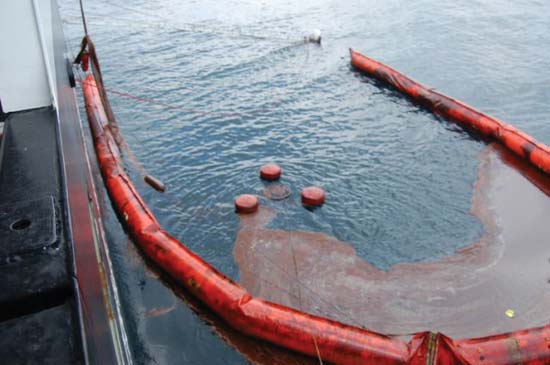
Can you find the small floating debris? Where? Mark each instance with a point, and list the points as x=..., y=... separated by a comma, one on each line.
x=271, y=172
x=510, y=313
x=160, y=311
x=155, y=183
x=314, y=37
x=246, y=204
x=313, y=196
x=276, y=192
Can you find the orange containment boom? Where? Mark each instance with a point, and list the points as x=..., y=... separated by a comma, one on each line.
x=329, y=340
x=518, y=142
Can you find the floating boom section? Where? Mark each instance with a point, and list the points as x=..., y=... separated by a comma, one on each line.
x=315, y=336
x=515, y=140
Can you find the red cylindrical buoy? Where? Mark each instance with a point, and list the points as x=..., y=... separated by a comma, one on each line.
x=271, y=172
x=313, y=196
x=246, y=203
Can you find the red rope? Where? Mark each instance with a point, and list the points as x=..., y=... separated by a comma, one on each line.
x=177, y=107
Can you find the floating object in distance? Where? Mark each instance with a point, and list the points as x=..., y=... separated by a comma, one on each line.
x=155, y=183
x=270, y=172
x=314, y=37
x=510, y=313
x=246, y=204
x=313, y=196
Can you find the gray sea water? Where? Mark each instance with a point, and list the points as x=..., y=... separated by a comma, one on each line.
x=245, y=91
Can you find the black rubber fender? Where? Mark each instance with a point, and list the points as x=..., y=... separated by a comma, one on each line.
x=70, y=72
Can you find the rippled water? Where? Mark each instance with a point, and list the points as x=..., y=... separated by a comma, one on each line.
x=398, y=179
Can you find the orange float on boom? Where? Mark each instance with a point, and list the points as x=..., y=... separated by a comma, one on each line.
x=292, y=329
x=518, y=142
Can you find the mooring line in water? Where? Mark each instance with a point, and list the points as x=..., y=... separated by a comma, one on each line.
x=228, y=34
x=150, y=180
x=83, y=15
x=287, y=220
x=168, y=106
x=317, y=349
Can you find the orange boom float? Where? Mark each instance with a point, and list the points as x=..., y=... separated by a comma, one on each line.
x=319, y=337
x=518, y=142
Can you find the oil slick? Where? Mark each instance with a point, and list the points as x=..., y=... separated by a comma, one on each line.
x=463, y=295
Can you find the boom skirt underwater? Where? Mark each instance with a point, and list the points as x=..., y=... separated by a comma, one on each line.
x=516, y=141
x=315, y=336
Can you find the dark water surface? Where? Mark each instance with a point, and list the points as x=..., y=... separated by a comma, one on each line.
x=398, y=179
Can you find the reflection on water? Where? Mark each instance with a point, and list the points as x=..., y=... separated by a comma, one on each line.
x=398, y=180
